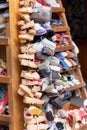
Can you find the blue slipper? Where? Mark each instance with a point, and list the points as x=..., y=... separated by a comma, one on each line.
x=64, y=65
x=60, y=55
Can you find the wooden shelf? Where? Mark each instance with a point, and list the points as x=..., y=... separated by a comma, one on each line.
x=5, y=118
x=4, y=41
x=60, y=28
x=4, y=79
x=61, y=48
x=57, y=10
x=72, y=88
x=70, y=69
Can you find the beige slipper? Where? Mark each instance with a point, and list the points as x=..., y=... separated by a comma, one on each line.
x=24, y=3
x=31, y=82
x=32, y=32
x=37, y=127
x=38, y=119
x=30, y=75
x=25, y=17
x=36, y=89
x=28, y=25
x=22, y=31
x=28, y=50
x=21, y=23
x=26, y=56
x=38, y=94
x=28, y=63
x=23, y=41
x=21, y=92
x=27, y=90
x=32, y=101
x=26, y=37
x=26, y=10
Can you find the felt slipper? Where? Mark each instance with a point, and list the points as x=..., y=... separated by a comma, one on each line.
x=2, y=26
x=22, y=31
x=33, y=101
x=38, y=95
x=38, y=46
x=21, y=23
x=60, y=55
x=47, y=26
x=47, y=87
x=55, y=68
x=67, y=96
x=47, y=51
x=23, y=41
x=73, y=62
x=54, y=75
x=67, y=62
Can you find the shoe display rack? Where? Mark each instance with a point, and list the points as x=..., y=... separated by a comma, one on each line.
x=11, y=42
x=61, y=14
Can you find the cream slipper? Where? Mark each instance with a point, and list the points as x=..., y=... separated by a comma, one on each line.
x=36, y=89
x=21, y=23
x=28, y=25
x=25, y=17
x=26, y=37
x=37, y=127
x=21, y=92
x=33, y=110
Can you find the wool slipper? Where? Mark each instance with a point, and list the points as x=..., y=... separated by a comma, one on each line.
x=40, y=56
x=37, y=18
x=27, y=90
x=52, y=3
x=53, y=61
x=33, y=101
x=55, y=68
x=22, y=31
x=47, y=51
x=43, y=65
x=38, y=46
x=67, y=62
x=2, y=26
x=48, y=43
x=47, y=26
x=73, y=62
x=60, y=55
x=47, y=87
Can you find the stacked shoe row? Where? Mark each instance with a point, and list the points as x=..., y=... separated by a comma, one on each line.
x=4, y=17
x=30, y=87
x=43, y=86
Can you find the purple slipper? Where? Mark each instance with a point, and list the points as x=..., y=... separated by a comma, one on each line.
x=41, y=32
x=47, y=26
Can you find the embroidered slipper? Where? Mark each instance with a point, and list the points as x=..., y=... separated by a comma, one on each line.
x=26, y=37
x=21, y=92
x=27, y=49
x=28, y=25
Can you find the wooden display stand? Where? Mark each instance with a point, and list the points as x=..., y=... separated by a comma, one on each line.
x=16, y=107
